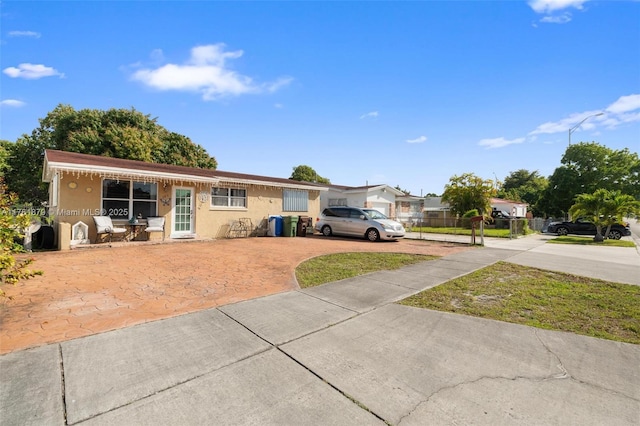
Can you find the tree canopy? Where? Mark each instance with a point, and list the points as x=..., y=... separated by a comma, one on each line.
x=468, y=192
x=118, y=133
x=586, y=167
x=305, y=173
x=406, y=191
x=5, y=146
x=525, y=186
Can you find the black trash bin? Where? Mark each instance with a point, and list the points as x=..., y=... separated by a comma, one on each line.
x=45, y=238
x=303, y=225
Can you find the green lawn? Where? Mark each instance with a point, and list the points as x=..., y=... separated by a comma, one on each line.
x=505, y=292
x=588, y=240
x=488, y=232
x=543, y=299
x=338, y=266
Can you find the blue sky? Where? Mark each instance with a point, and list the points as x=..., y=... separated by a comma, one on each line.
x=402, y=93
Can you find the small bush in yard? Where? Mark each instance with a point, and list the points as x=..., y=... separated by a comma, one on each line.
x=12, y=270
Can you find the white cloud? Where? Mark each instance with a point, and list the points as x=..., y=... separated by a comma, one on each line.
x=24, y=34
x=548, y=6
x=499, y=142
x=31, y=71
x=567, y=123
x=13, y=103
x=372, y=114
x=420, y=139
x=205, y=72
x=625, y=104
x=551, y=7
x=277, y=85
x=157, y=56
x=560, y=19
x=623, y=111
x=278, y=106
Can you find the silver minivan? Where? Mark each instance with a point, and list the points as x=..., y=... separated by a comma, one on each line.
x=358, y=222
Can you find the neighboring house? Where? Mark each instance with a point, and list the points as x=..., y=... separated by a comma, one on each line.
x=513, y=208
x=379, y=197
x=437, y=213
x=194, y=202
x=409, y=209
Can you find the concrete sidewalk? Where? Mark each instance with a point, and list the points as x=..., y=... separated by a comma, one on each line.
x=341, y=353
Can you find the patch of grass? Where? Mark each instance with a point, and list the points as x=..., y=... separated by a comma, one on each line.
x=488, y=232
x=338, y=266
x=543, y=299
x=589, y=241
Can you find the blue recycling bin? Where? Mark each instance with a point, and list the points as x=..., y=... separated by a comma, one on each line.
x=276, y=225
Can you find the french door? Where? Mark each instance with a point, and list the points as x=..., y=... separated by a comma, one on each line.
x=182, y=212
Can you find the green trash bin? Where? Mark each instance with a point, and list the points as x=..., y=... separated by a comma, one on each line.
x=290, y=225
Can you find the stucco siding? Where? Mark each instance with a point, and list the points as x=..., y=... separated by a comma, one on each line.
x=80, y=198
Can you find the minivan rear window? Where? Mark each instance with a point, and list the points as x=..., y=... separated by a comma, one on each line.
x=336, y=212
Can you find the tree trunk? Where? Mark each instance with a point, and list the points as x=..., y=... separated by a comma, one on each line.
x=598, y=238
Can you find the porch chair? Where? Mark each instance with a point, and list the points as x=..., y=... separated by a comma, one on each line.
x=104, y=225
x=155, y=224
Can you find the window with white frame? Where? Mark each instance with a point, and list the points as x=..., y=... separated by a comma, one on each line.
x=337, y=201
x=229, y=197
x=124, y=199
x=294, y=200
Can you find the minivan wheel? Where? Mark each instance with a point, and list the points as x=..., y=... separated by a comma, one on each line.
x=614, y=235
x=326, y=231
x=373, y=235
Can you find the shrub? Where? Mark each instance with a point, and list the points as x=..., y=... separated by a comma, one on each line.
x=466, y=218
x=11, y=226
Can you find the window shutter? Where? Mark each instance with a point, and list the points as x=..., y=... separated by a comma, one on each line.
x=295, y=200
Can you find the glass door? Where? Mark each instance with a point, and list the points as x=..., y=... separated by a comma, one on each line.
x=182, y=211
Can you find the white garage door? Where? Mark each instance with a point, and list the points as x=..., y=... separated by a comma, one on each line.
x=381, y=207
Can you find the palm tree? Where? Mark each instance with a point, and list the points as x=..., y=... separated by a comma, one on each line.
x=604, y=208
x=619, y=207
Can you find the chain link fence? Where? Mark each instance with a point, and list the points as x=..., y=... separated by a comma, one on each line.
x=462, y=226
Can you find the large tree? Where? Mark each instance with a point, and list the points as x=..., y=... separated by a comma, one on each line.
x=525, y=186
x=119, y=133
x=305, y=173
x=586, y=167
x=468, y=192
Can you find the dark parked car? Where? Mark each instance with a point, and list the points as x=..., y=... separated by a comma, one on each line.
x=501, y=219
x=584, y=227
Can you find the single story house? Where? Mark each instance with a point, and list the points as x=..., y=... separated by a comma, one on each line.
x=437, y=212
x=513, y=208
x=194, y=202
x=409, y=209
x=379, y=197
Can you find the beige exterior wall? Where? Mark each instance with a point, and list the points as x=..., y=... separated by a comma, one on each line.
x=80, y=198
x=262, y=202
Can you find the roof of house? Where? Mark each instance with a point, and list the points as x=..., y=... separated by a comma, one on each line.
x=81, y=164
x=436, y=203
x=503, y=201
x=365, y=188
